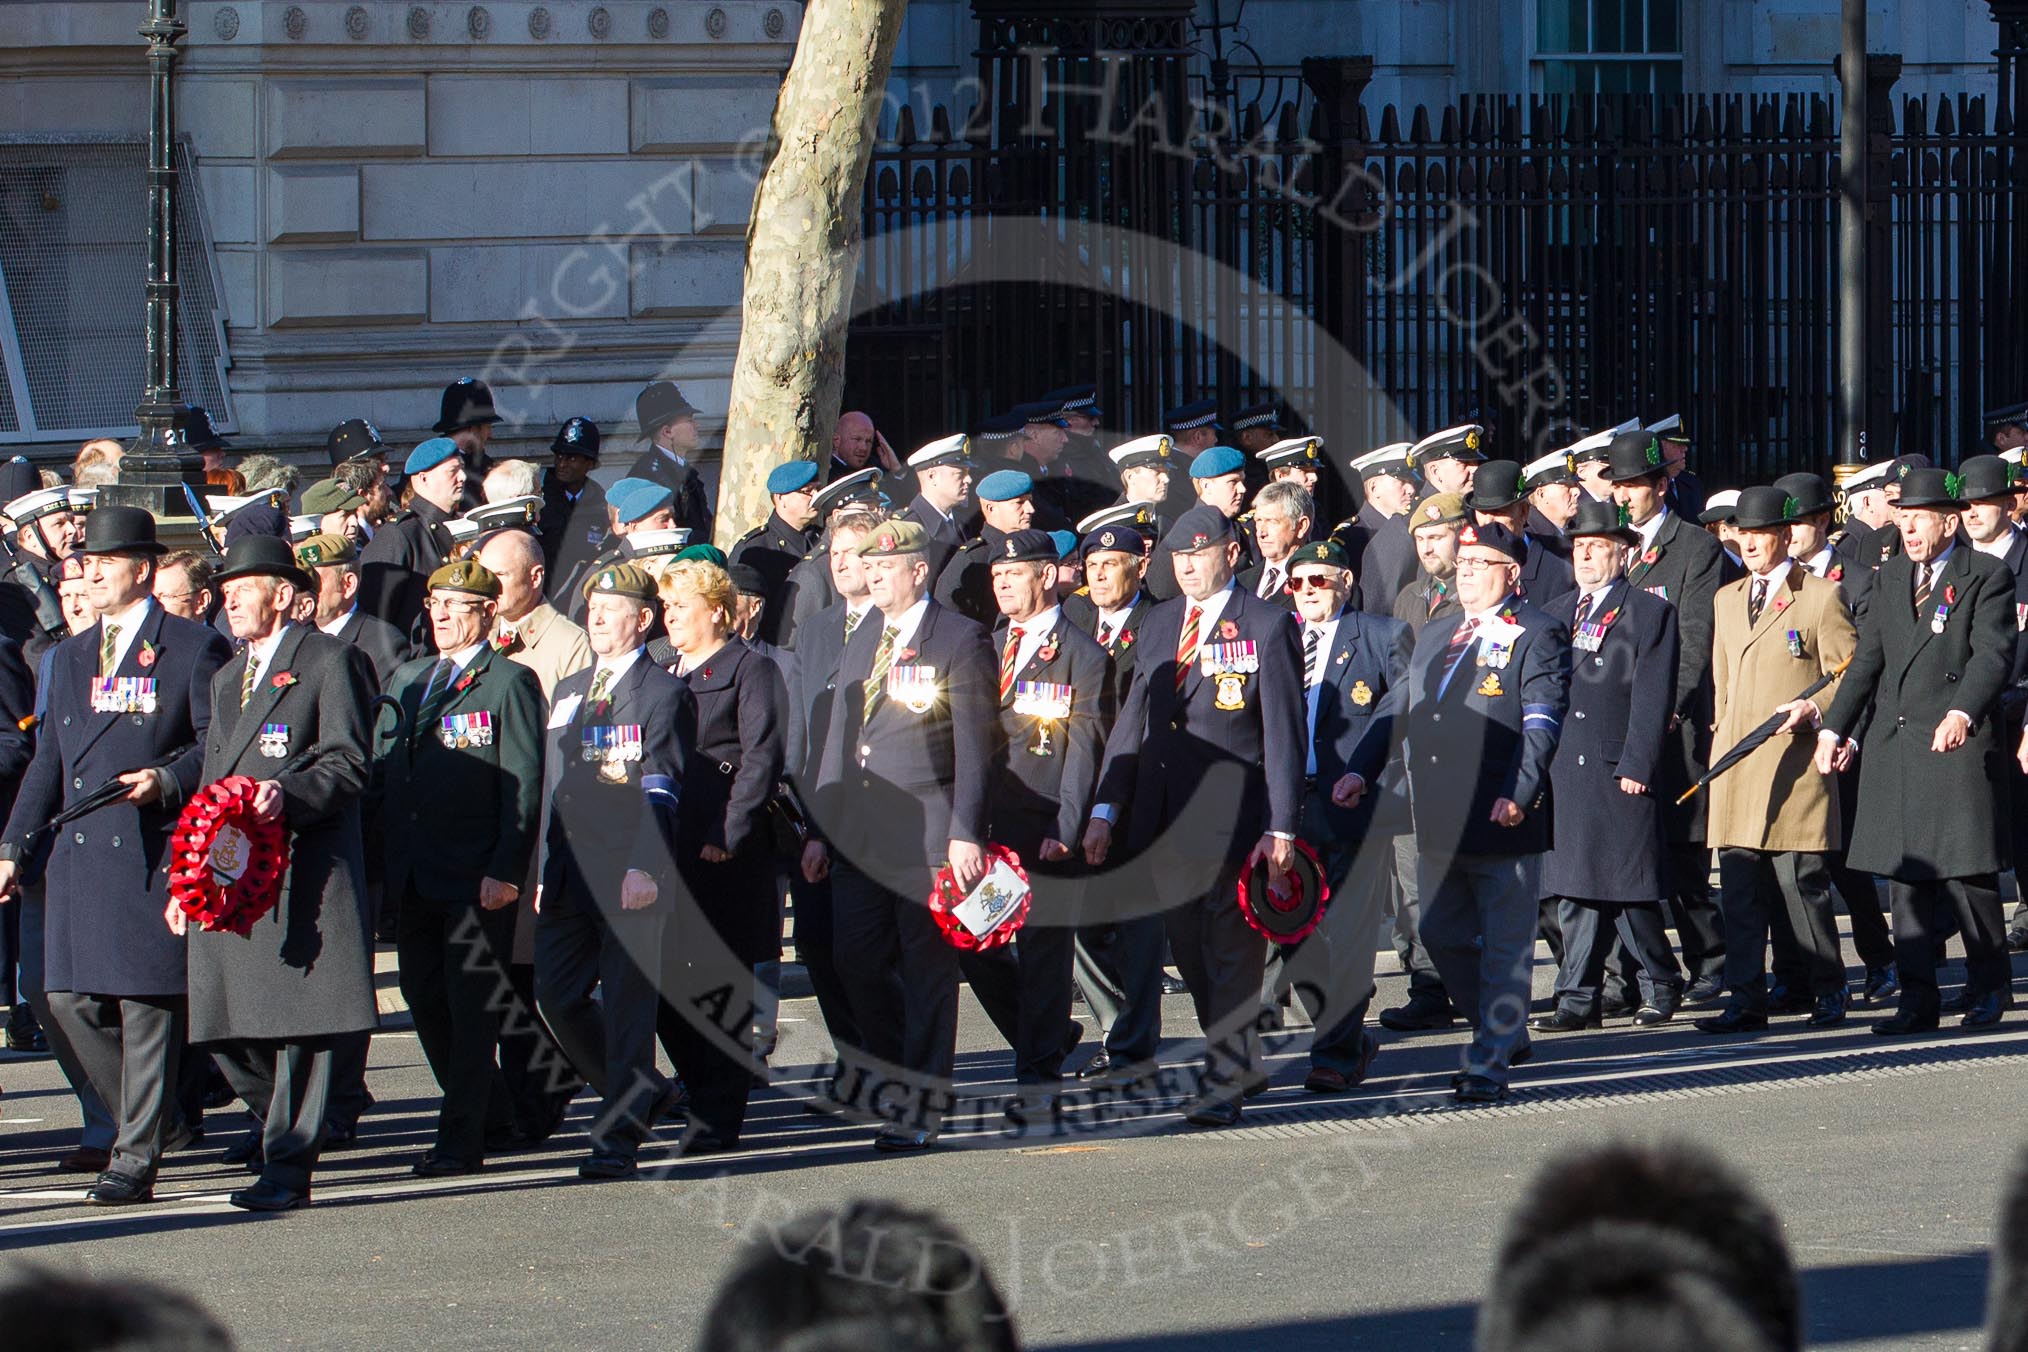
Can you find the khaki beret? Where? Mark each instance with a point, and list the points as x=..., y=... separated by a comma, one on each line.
x=892, y=538
x=321, y=550
x=466, y=575
x=622, y=579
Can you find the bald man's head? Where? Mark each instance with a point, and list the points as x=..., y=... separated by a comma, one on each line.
x=852, y=441
x=515, y=558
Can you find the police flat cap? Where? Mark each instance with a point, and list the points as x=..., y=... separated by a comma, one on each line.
x=1257, y=415
x=1188, y=417
x=1077, y=399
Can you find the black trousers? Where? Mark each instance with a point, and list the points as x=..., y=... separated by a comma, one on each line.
x=900, y=975
x=288, y=1086
x=1223, y=961
x=1118, y=964
x=454, y=977
x=1749, y=881
x=540, y=1080
x=1699, y=928
x=1580, y=972
x=1860, y=891
x=705, y=1017
x=1025, y=988
x=582, y=948
x=129, y=1049
x=1918, y=909
x=816, y=945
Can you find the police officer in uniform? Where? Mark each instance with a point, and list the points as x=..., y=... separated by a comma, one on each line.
x=616, y=761
x=1934, y=654
x=573, y=522
x=785, y=539
x=669, y=424
x=460, y=784
x=1084, y=457
x=128, y=698
x=466, y=415
x=403, y=553
x=1605, y=872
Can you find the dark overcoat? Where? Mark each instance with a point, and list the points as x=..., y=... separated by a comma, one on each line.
x=736, y=734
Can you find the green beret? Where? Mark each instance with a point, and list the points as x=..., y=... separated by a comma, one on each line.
x=466, y=575
x=622, y=579
x=707, y=553
x=330, y=496
x=891, y=538
x=1327, y=552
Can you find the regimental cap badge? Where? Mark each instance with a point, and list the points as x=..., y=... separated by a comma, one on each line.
x=1012, y=548
x=1472, y=440
x=1107, y=539
x=310, y=555
x=1199, y=540
x=887, y=540
x=1654, y=451
x=1468, y=536
x=608, y=580
x=1432, y=510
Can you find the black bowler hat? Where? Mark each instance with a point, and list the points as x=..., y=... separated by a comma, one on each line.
x=121, y=530
x=1811, y=493
x=1496, y=487
x=1931, y=488
x=467, y=403
x=1763, y=507
x=1602, y=518
x=1633, y=455
x=261, y=556
x=198, y=433
x=660, y=403
x=1984, y=476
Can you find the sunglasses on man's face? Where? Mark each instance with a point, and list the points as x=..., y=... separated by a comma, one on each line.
x=1311, y=582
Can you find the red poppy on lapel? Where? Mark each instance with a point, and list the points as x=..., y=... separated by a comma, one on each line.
x=465, y=681
x=1651, y=555
x=1047, y=653
x=1837, y=573
x=1127, y=639
x=1781, y=604
x=905, y=655
x=146, y=657
x=283, y=680
x=1950, y=595
x=506, y=643
x=1227, y=630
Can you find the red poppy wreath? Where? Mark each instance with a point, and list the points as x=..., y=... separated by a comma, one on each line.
x=226, y=866
x=998, y=906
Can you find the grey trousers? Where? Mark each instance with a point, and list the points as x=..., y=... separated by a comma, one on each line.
x=127, y=1050
x=1423, y=981
x=1118, y=966
x=99, y=1127
x=1478, y=918
x=580, y=948
x=288, y=1086
x=1331, y=971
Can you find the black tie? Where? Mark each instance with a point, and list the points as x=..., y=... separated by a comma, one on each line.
x=1755, y=601
x=442, y=672
x=1922, y=586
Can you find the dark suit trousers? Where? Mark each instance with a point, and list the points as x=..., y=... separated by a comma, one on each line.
x=454, y=977
x=1423, y=980
x=540, y=1080
x=1746, y=879
x=707, y=1005
x=580, y=948
x=1918, y=909
x=1479, y=918
x=127, y=1049
x=1025, y=988
x=1331, y=971
x=1860, y=891
x=1699, y=927
x=1223, y=960
x=1580, y=972
x=288, y=1086
x=816, y=943
x=1119, y=969
x=901, y=976
x=100, y=1129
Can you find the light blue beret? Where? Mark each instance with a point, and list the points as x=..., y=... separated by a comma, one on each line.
x=791, y=476
x=429, y=455
x=1214, y=461
x=1004, y=485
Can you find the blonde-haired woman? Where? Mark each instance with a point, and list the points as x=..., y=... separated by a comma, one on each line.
x=729, y=920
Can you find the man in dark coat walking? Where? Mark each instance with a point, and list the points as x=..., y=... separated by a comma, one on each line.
x=1682, y=563
x=1934, y=654
x=459, y=784
x=1606, y=870
x=291, y=714
x=128, y=698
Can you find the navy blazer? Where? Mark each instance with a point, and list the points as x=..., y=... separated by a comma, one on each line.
x=597, y=830
x=896, y=787
x=735, y=738
x=1490, y=734
x=1169, y=742
x=1361, y=681
x=1044, y=777
x=108, y=871
x=1122, y=645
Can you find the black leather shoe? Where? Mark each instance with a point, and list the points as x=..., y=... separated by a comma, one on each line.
x=1985, y=1011
x=29, y=1041
x=1782, y=1000
x=1958, y=1001
x=1418, y=1016
x=1734, y=1021
x=1563, y=1021
x=705, y=1141
x=1097, y=1066
x=1703, y=992
x=2017, y=940
x=1653, y=1016
x=266, y=1196
x=896, y=1141
x=433, y=1165
x=246, y=1150
x=1881, y=985
x=1212, y=1112
x=1117, y=1073
x=1174, y=985
x=1478, y=1089
x=339, y=1138
x=1829, y=1011
x=1904, y=1021
x=601, y=1167
x=1614, y=1006
x=86, y=1159
x=119, y=1190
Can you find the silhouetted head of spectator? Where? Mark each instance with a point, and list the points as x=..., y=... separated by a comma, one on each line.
x=1678, y=1187
x=2007, y=1300
x=1618, y=1284
x=83, y=1314
x=872, y=1275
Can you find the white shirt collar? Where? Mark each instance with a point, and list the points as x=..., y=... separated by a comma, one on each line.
x=1819, y=563
x=335, y=625
x=1034, y=633
x=1936, y=564
x=1647, y=532
x=261, y=653
x=906, y=623
x=1113, y=617
x=1998, y=545
x=1481, y=616
x=672, y=455
x=1776, y=575
x=1211, y=608
x=129, y=622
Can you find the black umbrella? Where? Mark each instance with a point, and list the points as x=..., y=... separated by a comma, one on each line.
x=112, y=791
x=1745, y=746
